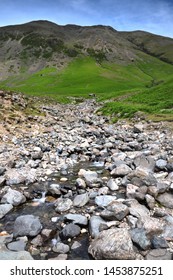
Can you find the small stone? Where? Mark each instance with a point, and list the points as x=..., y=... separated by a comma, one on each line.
x=103, y=191
x=4, y=209
x=121, y=170
x=138, y=128
x=104, y=200
x=159, y=242
x=2, y=181
x=140, y=238
x=76, y=245
x=118, y=209
x=112, y=185
x=54, y=189
x=54, y=219
x=150, y=201
x=13, y=197
x=94, y=225
x=166, y=199
x=70, y=231
x=161, y=164
x=2, y=170
x=63, y=204
x=159, y=254
x=80, y=183
x=77, y=219
x=81, y=199
x=18, y=245
x=37, y=241
x=63, y=179
x=61, y=248
x=62, y=257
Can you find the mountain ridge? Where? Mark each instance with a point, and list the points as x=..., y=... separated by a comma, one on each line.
x=43, y=43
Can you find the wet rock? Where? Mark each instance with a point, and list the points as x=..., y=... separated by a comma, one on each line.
x=159, y=254
x=63, y=204
x=54, y=189
x=140, y=238
x=28, y=225
x=61, y=248
x=81, y=199
x=13, y=197
x=77, y=219
x=104, y=200
x=110, y=245
x=4, y=209
x=166, y=199
x=70, y=231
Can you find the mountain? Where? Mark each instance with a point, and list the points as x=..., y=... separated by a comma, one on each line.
x=43, y=58
x=35, y=45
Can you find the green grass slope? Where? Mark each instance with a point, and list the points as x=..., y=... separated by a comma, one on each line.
x=145, y=85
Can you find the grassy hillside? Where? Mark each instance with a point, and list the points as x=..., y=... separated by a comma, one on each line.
x=145, y=85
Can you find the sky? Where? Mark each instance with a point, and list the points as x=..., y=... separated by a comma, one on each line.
x=155, y=16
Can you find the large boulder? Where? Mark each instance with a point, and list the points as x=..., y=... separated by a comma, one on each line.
x=112, y=244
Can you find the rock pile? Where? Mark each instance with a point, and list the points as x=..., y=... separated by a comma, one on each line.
x=124, y=206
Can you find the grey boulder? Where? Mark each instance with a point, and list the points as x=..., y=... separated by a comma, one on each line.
x=28, y=225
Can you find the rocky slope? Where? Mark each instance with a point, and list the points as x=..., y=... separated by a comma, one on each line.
x=74, y=186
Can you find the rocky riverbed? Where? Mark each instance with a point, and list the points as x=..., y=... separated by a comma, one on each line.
x=75, y=186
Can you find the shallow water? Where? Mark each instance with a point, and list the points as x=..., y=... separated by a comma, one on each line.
x=45, y=210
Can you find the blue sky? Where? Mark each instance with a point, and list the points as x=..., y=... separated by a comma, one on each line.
x=155, y=16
